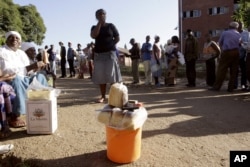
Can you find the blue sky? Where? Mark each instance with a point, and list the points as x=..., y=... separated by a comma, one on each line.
x=71, y=20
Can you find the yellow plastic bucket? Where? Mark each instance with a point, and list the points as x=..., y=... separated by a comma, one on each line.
x=123, y=146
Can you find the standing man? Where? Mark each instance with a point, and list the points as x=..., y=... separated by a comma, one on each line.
x=191, y=55
x=229, y=42
x=71, y=58
x=89, y=51
x=52, y=59
x=146, y=51
x=63, y=60
x=244, y=39
x=135, y=57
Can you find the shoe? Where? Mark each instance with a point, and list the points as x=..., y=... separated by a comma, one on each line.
x=213, y=89
x=230, y=90
x=16, y=123
x=157, y=85
x=62, y=77
x=244, y=87
x=4, y=133
x=6, y=148
x=170, y=85
x=190, y=85
x=147, y=83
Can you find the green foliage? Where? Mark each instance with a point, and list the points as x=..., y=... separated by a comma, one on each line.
x=33, y=26
x=24, y=19
x=242, y=14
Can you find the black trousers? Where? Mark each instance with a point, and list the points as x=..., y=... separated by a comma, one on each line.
x=71, y=67
x=191, y=71
x=210, y=72
x=248, y=67
x=229, y=60
x=63, y=67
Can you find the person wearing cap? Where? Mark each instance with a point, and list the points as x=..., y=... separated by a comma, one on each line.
x=106, y=67
x=229, y=42
x=135, y=57
x=14, y=66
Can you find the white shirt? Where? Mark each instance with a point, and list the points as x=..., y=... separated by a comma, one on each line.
x=13, y=62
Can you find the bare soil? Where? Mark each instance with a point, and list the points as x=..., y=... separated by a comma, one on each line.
x=185, y=127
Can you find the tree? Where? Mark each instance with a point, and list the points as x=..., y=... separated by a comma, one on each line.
x=10, y=17
x=242, y=14
x=33, y=26
x=24, y=19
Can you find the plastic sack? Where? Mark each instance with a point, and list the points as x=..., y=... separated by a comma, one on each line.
x=118, y=95
x=122, y=119
x=37, y=91
x=181, y=59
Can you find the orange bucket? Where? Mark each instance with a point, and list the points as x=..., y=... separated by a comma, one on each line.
x=123, y=146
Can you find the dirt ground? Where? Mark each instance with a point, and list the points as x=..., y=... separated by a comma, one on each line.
x=186, y=127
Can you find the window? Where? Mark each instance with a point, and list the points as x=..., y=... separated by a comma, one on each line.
x=197, y=34
x=217, y=10
x=191, y=14
x=215, y=33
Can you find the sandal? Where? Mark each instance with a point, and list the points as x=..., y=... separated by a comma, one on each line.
x=5, y=133
x=101, y=100
x=16, y=123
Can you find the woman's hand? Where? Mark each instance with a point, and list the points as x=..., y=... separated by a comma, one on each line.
x=7, y=77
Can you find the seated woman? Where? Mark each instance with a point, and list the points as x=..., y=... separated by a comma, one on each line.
x=15, y=65
x=7, y=95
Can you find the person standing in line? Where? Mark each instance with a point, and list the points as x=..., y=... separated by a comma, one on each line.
x=89, y=52
x=172, y=53
x=191, y=56
x=71, y=59
x=246, y=45
x=229, y=42
x=242, y=64
x=82, y=62
x=63, y=60
x=146, y=51
x=211, y=51
x=135, y=57
x=52, y=59
x=156, y=61
x=106, y=67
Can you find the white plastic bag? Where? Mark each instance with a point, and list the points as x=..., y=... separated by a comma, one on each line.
x=122, y=119
x=37, y=91
x=181, y=59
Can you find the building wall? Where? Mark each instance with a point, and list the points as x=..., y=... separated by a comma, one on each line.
x=204, y=23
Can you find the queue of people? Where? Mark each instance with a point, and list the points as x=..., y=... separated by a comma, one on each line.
x=229, y=53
